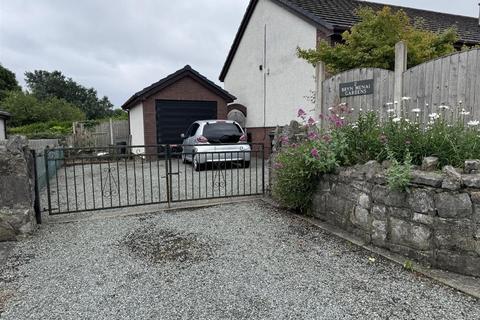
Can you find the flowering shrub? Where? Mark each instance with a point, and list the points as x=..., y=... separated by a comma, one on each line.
x=400, y=137
x=297, y=166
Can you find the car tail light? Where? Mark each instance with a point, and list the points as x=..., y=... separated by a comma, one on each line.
x=202, y=139
x=243, y=138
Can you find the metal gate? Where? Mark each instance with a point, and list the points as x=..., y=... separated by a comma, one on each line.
x=86, y=179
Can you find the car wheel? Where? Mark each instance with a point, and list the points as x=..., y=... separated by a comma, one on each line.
x=197, y=166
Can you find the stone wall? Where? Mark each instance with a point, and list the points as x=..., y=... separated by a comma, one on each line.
x=436, y=221
x=17, y=216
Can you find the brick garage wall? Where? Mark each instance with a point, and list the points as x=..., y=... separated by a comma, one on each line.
x=184, y=89
x=435, y=221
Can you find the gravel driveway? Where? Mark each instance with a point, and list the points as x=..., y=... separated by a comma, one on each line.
x=235, y=261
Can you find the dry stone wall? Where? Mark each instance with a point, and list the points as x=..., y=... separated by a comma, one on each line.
x=436, y=221
x=17, y=194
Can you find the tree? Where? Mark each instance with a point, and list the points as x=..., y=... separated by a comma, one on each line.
x=8, y=82
x=44, y=84
x=371, y=42
x=26, y=109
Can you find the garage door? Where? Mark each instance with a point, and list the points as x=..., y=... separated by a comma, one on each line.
x=174, y=117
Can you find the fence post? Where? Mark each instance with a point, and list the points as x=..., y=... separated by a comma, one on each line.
x=319, y=78
x=400, y=68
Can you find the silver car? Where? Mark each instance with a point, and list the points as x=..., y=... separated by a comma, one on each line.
x=214, y=141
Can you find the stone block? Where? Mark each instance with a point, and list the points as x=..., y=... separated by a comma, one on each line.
x=360, y=218
x=7, y=233
x=402, y=213
x=319, y=204
x=472, y=166
x=471, y=180
x=423, y=256
x=379, y=232
x=379, y=212
x=429, y=163
x=422, y=218
x=452, y=180
x=454, y=234
x=451, y=205
x=463, y=263
x=431, y=179
x=475, y=197
x=421, y=201
x=364, y=201
x=323, y=184
x=383, y=195
x=371, y=169
x=411, y=235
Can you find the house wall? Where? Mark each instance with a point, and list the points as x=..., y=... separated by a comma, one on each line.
x=137, y=127
x=288, y=79
x=184, y=89
x=2, y=129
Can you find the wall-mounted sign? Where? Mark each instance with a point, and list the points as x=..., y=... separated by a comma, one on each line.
x=356, y=88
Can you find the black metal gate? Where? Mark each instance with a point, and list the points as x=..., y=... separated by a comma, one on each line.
x=87, y=179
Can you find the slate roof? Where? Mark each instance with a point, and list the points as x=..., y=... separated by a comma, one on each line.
x=171, y=79
x=339, y=15
x=4, y=115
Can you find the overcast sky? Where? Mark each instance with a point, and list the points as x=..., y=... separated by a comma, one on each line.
x=122, y=46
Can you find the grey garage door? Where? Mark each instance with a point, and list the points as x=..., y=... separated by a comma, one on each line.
x=174, y=117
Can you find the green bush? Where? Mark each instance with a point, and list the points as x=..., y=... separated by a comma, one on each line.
x=43, y=130
x=27, y=109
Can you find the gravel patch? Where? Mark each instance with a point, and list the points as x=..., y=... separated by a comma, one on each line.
x=235, y=261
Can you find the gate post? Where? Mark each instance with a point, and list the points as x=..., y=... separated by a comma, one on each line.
x=36, y=202
x=47, y=177
x=167, y=175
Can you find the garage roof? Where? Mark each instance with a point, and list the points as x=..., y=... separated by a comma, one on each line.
x=186, y=71
x=339, y=15
x=4, y=115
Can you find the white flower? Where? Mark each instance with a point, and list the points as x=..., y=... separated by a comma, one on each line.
x=473, y=123
x=330, y=109
x=406, y=98
x=352, y=109
x=426, y=104
x=397, y=119
x=443, y=107
x=433, y=116
x=389, y=104
x=464, y=112
x=342, y=118
x=391, y=110
x=416, y=110
x=395, y=102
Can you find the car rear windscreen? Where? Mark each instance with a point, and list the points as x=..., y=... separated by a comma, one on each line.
x=222, y=132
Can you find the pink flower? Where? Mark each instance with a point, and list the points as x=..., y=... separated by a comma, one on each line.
x=407, y=142
x=284, y=139
x=277, y=165
x=314, y=153
x=301, y=113
x=311, y=121
x=326, y=138
x=312, y=135
x=383, y=139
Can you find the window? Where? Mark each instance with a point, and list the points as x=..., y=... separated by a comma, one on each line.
x=222, y=132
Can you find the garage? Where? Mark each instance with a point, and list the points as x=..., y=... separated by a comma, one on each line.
x=159, y=113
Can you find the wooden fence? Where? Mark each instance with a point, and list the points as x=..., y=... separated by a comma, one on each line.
x=453, y=80
x=101, y=135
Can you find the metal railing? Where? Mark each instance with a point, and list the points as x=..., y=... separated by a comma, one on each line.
x=90, y=179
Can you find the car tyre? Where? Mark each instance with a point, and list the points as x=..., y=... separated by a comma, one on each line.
x=197, y=166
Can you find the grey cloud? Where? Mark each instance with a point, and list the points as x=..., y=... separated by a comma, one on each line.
x=121, y=46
